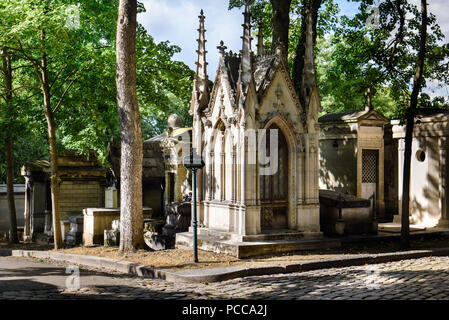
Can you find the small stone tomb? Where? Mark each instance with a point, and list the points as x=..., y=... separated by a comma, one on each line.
x=342, y=214
x=96, y=220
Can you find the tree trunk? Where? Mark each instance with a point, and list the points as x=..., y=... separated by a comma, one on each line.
x=309, y=16
x=54, y=181
x=13, y=237
x=54, y=178
x=131, y=217
x=7, y=73
x=417, y=83
x=280, y=23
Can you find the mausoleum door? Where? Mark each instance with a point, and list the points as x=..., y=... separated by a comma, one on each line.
x=274, y=187
x=370, y=172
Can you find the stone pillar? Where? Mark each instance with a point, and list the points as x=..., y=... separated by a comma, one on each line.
x=212, y=178
x=444, y=199
x=233, y=174
x=223, y=171
x=27, y=211
x=401, y=149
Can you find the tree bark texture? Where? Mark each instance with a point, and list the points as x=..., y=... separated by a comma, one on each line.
x=280, y=23
x=54, y=178
x=309, y=16
x=410, y=120
x=7, y=73
x=131, y=216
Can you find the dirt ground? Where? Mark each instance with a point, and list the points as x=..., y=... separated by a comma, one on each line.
x=182, y=259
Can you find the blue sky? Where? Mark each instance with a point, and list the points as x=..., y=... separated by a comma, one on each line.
x=177, y=21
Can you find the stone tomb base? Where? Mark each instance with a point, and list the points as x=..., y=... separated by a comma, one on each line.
x=270, y=243
x=96, y=220
x=356, y=215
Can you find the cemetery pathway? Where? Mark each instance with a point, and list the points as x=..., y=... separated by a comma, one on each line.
x=425, y=278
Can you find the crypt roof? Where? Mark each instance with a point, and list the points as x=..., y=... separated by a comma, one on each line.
x=264, y=69
x=352, y=116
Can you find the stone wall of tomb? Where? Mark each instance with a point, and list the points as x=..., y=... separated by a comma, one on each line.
x=338, y=158
x=77, y=195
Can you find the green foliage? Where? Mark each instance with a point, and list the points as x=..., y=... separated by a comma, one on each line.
x=385, y=58
x=85, y=53
x=351, y=56
x=164, y=86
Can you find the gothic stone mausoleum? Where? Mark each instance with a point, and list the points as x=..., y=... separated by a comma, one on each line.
x=253, y=92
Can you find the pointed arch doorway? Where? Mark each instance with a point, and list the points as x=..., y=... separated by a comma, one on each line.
x=274, y=187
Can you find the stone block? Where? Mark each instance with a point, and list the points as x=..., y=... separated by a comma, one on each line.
x=96, y=220
x=355, y=212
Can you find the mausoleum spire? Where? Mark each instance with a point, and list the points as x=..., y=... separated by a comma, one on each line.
x=245, y=64
x=201, y=78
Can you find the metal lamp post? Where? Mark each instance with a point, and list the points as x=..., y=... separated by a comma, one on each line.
x=194, y=162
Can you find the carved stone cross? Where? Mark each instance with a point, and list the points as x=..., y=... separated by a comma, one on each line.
x=370, y=94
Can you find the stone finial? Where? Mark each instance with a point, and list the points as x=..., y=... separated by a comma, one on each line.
x=260, y=39
x=245, y=64
x=201, y=62
x=174, y=121
x=369, y=94
x=222, y=48
x=201, y=78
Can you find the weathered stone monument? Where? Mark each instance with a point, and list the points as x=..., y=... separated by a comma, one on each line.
x=97, y=220
x=429, y=199
x=343, y=214
x=253, y=112
x=82, y=185
x=19, y=196
x=352, y=154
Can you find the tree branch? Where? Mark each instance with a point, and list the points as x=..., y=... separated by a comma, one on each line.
x=63, y=82
x=24, y=66
x=63, y=94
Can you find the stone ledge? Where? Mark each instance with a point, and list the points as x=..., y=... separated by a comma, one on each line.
x=222, y=274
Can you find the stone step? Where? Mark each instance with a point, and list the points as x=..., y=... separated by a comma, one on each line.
x=268, y=235
x=277, y=235
x=251, y=249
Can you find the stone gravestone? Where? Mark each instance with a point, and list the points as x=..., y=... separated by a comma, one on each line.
x=75, y=233
x=112, y=237
x=177, y=220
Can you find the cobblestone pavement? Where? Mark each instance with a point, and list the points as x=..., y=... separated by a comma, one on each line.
x=426, y=278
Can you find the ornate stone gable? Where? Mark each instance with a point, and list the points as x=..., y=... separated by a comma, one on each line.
x=253, y=93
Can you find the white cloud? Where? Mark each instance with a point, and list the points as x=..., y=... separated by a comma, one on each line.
x=440, y=9
x=177, y=21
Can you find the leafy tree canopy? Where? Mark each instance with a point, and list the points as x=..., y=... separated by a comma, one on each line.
x=79, y=41
x=353, y=55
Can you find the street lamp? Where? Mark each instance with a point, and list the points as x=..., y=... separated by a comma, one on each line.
x=194, y=162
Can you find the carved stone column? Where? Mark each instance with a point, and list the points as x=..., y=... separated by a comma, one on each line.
x=27, y=236
x=444, y=198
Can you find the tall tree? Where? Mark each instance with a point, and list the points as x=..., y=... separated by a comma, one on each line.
x=280, y=23
x=303, y=78
x=410, y=120
x=131, y=216
x=8, y=112
x=56, y=52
